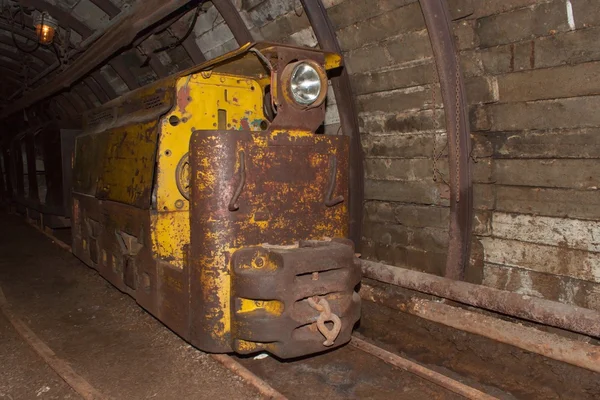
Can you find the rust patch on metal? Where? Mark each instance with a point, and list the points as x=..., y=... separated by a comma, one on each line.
x=183, y=98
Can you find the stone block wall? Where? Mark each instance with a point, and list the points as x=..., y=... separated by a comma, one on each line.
x=532, y=79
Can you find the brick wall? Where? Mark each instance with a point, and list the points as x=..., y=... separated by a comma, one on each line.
x=532, y=77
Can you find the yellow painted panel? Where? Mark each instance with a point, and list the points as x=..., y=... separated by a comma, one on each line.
x=200, y=100
x=273, y=307
x=170, y=233
x=129, y=164
x=332, y=60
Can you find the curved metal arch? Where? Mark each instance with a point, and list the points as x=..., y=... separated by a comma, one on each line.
x=81, y=101
x=437, y=18
x=10, y=66
x=325, y=33
x=44, y=55
x=106, y=87
x=439, y=27
x=28, y=33
x=234, y=21
x=11, y=72
x=70, y=96
x=58, y=109
x=15, y=57
x=119, y=65
x=16, y=81
x=87, y=92
x=68, y=106
x=108, y=7
x=96, y=89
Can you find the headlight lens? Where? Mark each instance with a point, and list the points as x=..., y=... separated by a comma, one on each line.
x=305, y=84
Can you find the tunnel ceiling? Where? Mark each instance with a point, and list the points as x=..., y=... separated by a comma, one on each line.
x=156, y=53
x=25, y=63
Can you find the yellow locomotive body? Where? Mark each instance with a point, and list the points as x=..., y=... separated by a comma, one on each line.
x=209, y=198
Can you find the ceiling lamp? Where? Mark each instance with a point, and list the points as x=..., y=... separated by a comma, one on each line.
x=45, y=27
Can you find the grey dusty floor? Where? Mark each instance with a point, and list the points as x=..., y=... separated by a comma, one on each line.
x=117, y=347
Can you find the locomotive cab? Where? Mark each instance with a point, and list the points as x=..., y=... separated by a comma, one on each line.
x=209, y=197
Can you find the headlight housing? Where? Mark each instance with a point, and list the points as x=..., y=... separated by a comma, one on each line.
x=306, y=83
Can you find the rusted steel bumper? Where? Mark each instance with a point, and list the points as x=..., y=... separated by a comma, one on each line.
x=281, y=282
x=263, y=209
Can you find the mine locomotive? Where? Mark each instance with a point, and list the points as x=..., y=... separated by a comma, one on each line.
x=210, y=198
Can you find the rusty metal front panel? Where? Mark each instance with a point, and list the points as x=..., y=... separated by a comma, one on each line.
x=252, y=189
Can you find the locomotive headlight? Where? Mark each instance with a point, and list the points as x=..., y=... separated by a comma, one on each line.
x=305, y=84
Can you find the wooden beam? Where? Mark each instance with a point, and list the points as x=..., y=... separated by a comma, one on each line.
x=108, y=7
x=122, y=34
x=18, y=61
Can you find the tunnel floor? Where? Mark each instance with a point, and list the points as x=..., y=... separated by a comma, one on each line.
x=116, y=346
x=125, y=353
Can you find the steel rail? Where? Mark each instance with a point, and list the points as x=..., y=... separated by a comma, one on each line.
x=419, y=370
x=547, y=312
x=263, y=387
x=439, y=27
x=556, y=347
x=60, y=366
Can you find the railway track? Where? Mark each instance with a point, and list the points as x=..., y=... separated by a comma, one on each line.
x=359, y=370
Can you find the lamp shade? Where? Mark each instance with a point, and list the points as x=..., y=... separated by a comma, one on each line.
x=45, y=27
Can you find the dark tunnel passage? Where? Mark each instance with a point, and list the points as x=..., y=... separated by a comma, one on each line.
x=298, y=198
